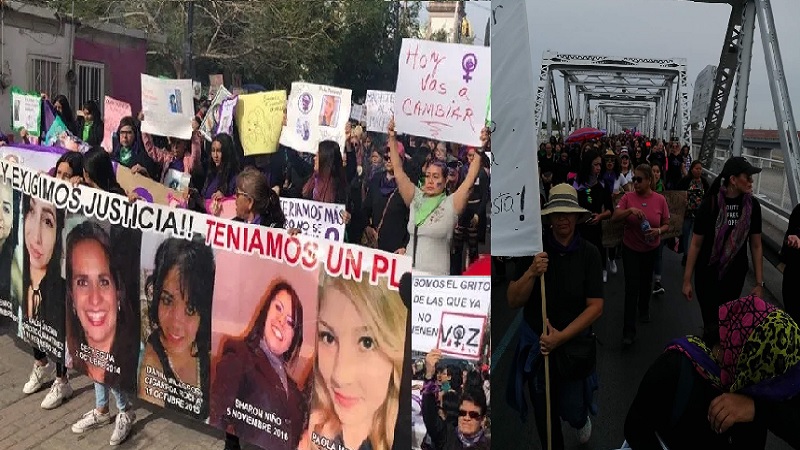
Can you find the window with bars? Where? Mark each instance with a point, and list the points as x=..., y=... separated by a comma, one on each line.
x=44, y=75
x=90, y=83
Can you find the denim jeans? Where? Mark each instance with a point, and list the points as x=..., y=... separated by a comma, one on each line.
x=686, y=234
x=567, y=402
x=101, y=397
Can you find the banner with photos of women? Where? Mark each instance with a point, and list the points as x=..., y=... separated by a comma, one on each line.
x=253, y=330
x=315, y=113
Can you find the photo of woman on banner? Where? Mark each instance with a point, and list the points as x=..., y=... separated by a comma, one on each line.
x=359, y=365
x=259, y=374
x=102, y=267
x=178, y=342
x=10, y=271
x=329, y=113
x=43, y=286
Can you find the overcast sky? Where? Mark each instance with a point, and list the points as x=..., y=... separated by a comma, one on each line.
x=666, y=29
x=477, y=13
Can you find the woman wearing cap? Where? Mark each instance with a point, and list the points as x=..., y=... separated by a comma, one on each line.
x=573, y=277
x=646, y=218
x=728, y=217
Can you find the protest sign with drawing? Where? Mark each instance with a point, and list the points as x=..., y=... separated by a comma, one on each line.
x=225, y=116
x=209, y=123
x=315, y=113
x=380, y=109
x=316, y=219
x=26, y=111
x=114, y=110
x=442, y=90
x=259, y=118
x=167, y=106
x=451, y=314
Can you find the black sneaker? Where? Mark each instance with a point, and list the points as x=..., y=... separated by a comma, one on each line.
x=658, y=288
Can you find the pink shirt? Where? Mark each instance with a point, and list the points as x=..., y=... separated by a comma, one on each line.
x=657, y=213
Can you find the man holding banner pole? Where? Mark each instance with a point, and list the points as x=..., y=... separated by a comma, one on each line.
x=559, y=329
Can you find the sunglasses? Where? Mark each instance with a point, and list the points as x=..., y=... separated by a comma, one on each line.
x=243, y=194
x=637, y=179
x=474, y=415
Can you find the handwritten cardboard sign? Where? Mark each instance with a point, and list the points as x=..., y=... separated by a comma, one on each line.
x=442, y=90
x=260, y=118
x=380, y=110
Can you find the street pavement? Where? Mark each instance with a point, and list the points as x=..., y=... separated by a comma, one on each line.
x=619, y=371
x=25, y=425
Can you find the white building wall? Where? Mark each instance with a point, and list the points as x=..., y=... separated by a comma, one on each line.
x=23, y=37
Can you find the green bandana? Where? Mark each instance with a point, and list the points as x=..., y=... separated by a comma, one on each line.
x=428, y=206
x=125, y=155
x=86, y=127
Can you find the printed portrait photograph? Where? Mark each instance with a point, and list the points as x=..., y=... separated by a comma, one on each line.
x=177, y=286
x=262, y=352
x=16, y=110
x=175, y=105
x=329, y=111
x=43, y=284
x=10, y=248
x=358, y=371
x=102, y=301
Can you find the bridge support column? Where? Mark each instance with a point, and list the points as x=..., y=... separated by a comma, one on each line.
x=743, y=78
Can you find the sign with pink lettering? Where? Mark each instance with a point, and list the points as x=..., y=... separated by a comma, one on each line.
x=442, y=90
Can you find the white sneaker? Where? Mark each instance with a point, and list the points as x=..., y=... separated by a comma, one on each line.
x=40, y=375
x=605, y=276
x=586, y=432
x=612, y=267
x=91, y=420
x=59, y=392
x=123, y=426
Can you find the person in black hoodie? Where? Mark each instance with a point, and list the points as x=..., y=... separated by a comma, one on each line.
x=64, y=110
x=91, y=124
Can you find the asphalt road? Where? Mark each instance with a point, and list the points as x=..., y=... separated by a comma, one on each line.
x=619, y=372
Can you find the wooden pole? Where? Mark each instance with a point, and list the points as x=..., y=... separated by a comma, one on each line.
x=546, y=368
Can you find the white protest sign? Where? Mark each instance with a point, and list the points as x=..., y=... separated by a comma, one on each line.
x=315, y=113
x=356, y=112
x=380, y=109
x=212, y=115
x=314, y=219
x=442, y=90
x=26, y=111
x=226, y=112
x=451, y=314
x=516, y=215
x=167, y=106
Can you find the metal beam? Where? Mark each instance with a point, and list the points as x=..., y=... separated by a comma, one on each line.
x=743, y=77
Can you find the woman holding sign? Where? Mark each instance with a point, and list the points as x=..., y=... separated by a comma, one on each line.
x=180, y=315
x=359, y=365
x=433, y=213
x=43, y=294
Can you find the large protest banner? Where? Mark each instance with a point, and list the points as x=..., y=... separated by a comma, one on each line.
x=209, y=124
x=167, y=106
x=315, y=113
x=380, y=110
x=442, y=90
x=228, y=319
x=114, y=110
x=26, y=111
x=451, y=314
x=260, y=121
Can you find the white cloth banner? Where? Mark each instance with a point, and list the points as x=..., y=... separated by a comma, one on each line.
x=167, y=106
x=442, y=90
x=315, y=219
x=451, y=314
x=315, y=113
x=380, y=109
x=516, y=215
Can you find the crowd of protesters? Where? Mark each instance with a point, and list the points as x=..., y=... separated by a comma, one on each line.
x=400, y=194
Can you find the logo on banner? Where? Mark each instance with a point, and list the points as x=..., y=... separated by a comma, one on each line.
x=461, y=334
x=305, y=103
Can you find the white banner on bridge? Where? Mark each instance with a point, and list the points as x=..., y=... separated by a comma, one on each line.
x=516, y=219
x=451, y=314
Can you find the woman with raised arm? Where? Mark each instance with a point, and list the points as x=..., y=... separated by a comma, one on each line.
x=433, y=213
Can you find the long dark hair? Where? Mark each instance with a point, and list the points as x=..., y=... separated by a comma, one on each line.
x=96, y=135
x=67, y=115
x=194, y=262
x=266, y=202
x=585, y=170
x=328, y=184
x=52, y=281
x=10, y=245
x=125, y=348
x=75, y=162
x=229, y=167
x=97, y=164
x=255, y=333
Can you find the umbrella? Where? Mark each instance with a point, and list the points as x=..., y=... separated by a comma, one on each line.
x=584, y=134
